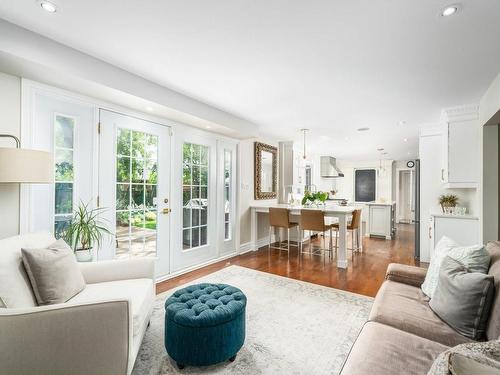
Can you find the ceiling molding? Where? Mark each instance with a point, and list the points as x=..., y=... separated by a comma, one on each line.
x=461, y=113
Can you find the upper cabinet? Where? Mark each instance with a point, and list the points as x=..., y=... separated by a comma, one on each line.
x=461, y=143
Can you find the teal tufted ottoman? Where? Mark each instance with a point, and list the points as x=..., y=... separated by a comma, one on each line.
x=205, y=324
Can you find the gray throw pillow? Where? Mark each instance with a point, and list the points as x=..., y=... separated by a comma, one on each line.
x=463, y=299
x=53, y=272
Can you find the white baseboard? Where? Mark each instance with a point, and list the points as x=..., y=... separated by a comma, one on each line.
x=195, y=267
x=245, y=247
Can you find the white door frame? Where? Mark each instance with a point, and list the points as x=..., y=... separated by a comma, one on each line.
x=398, y=170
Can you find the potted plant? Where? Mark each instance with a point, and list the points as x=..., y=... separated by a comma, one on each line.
x=447, y=200
x=316, y=198
x=85, y=232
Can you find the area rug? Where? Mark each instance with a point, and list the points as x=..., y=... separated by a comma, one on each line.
x=293, y=327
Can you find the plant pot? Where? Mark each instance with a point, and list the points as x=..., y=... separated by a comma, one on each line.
x=84, y=255
x=445, y=206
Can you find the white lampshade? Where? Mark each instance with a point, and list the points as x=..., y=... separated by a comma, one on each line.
x=18, y=165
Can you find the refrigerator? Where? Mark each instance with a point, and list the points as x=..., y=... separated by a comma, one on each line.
x=416, y=207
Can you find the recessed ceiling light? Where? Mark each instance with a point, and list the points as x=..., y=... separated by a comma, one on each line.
x=48, y=6
x=402, y=123
x=384, y=153
x=380, y=149
x=362, y=129
x=405, y=139
x=449, y=10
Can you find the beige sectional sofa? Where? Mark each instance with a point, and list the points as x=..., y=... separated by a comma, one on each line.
x=403, y=335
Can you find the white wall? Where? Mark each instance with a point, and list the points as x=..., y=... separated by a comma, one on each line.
x=246, y=193
x=490, y=183
x=10, y=123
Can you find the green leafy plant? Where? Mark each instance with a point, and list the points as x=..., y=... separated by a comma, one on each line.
x=448, y=200
x=85, y=230
x=321, y=196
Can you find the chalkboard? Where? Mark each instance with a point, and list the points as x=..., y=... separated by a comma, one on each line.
x=365, y=185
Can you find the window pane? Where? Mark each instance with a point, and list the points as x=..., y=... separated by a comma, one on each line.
x=122, y=196
x=64, y=129
x=150, y=171
x=186, y=152
x=137, y=170
x=196, y=175
x=203, y=216
x=195, y=154
x=227, y=231
x=64, y=165
x=186, y=174
x=123, y=169
x=150, y=196
x=195, y=240
x=186, y=217
x=63, y=198
x=186, y=238
x=60, y=224
x=203, y=236
x=123, y=142
x=150, y=220
x=204, y=155
x=137, y=221
x=203, y=176
x=137, y=196
x=203, y=192
x=138, y=144
x=195, y=214
x=151, y=149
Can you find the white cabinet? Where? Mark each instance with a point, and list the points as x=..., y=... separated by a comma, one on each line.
x=381, y=220
x=464, y=230
x=461, y=142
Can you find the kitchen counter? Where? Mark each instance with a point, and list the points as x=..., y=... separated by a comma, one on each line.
x=379, y=203
x=467, y=216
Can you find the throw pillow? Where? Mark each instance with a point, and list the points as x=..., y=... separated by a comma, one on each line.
x=468, y=359
x=53, y=272
x=463, y=299
x=441, y=250
x=476, y=258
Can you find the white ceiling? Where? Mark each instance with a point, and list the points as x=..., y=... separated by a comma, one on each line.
x=331, y=66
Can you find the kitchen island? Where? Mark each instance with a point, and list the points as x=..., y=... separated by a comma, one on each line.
x=340, y=212
x=381, y=219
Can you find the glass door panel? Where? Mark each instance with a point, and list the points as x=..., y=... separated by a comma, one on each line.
x=131, y=186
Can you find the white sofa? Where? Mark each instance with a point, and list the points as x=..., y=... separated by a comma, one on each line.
x=99, y=331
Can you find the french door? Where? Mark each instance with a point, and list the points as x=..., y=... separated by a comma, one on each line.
x=134, y=187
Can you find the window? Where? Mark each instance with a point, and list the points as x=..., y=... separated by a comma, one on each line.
x=64, y=140
x=227, y=193
x=136, y=186
x=365, y=185
x=195, y=195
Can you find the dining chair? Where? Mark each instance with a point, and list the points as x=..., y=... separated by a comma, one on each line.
x=280, y=218
x=312, y=220
x=353, y=226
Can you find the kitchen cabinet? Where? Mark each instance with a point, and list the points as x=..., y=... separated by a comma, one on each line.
x=464, y=230
x=381, y=219
x=461, y=143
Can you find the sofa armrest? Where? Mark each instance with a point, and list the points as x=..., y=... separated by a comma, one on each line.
x=402, y=273
x=123, y=269
x=92, y=338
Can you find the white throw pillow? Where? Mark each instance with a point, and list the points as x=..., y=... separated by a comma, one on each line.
x=475, y=258
x=443, y=247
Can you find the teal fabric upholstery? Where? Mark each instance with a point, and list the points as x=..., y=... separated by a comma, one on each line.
x=205, y=324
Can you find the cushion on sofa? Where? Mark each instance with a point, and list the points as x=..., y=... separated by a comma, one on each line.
x=384, y=350
x=476, y=258
x=469, y=359
x=493, y=330
x=15, y=287
x=407, y=308
x=53, y=272
x=140, y=293
x=463, y=299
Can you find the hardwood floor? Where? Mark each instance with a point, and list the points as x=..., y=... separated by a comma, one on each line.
x=364, y=275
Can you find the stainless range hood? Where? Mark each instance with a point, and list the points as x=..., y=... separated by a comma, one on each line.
x=329, y=167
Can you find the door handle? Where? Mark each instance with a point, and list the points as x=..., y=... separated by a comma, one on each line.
x=166, y=211
x=430, y=232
